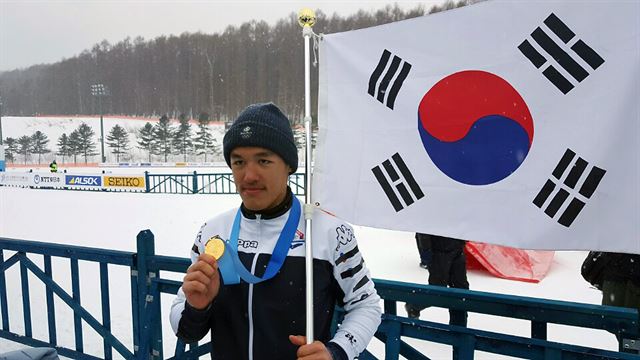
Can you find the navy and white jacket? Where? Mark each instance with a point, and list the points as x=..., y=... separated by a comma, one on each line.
x=253, y=321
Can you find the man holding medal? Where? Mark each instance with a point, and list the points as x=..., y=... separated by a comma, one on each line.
x=246, y=283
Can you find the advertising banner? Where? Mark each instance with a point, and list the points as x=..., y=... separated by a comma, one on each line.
x=46, y=179
x=83, y=181
x=124, y=181
x=14, y=179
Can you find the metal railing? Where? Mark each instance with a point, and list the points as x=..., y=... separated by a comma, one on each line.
x=195, y=183
x=147, y=285
x=191, y=183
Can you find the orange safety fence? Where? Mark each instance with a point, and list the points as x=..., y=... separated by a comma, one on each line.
x=60, y=165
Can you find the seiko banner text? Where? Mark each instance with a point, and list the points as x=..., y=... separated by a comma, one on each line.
x=124, y=181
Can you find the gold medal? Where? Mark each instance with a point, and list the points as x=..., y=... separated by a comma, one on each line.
x=214, y=247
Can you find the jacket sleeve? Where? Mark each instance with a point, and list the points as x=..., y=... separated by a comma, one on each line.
x=361, y=301
x=188, y=323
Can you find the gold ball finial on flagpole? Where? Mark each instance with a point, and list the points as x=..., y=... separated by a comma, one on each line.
x=306, y=17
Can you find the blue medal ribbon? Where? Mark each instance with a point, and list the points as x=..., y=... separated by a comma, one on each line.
x=277, y=257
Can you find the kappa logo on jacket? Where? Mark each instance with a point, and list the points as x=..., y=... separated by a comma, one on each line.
x=351, y=338
x=344, y=236
x=247, y=244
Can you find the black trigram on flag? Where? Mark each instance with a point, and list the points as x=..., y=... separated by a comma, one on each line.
x=549, y=45
x=588, y=187
x=379, y=89
x=404, y=182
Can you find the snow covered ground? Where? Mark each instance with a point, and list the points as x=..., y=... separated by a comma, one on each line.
x=112, y=220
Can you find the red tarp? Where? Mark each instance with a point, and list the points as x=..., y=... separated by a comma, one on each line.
x=509, y=263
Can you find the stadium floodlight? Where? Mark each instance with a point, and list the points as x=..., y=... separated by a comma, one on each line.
x=0, y=122
x=100, y=91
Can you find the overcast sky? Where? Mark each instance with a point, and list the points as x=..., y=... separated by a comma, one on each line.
x=46, y=31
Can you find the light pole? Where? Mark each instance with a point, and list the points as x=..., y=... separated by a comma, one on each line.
x=100, y=91
x=1, y=124
x=2, y=162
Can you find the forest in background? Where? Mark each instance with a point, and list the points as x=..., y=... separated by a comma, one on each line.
x=195, y=74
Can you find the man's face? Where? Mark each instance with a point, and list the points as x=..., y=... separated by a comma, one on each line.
x=260, y=176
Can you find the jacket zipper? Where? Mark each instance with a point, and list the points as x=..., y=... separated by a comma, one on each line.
x=250, y=299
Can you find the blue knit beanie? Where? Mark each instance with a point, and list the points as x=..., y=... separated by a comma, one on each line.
x=262, y=125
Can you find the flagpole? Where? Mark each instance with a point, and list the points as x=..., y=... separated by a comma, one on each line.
x=306, y=19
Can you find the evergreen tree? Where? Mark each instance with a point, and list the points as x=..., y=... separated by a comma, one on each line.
x=74, y=145
x=204, y=141
x=11, y=149
x=64, y=147
x=39, y=143
x=118, y=141
x=146, y=140
x=163, y=133
x=25, y=144
x=182, y=141
x=87, y=146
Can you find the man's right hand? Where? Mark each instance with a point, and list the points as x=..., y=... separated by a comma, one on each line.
x=202, y=282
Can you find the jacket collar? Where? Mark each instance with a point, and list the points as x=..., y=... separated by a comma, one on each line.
x=273, y=212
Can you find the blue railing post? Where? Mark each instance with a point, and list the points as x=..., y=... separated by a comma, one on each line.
x=106, y=307
x=145, y=248
x=26, y=304
x=195, y=182
x=465, y=349
x=146, y=181
x=4, y=306
x=390, y=307
x=75, y=289
x=539, y=330
x=392, y=345
x=51, y=310
x=150, y=329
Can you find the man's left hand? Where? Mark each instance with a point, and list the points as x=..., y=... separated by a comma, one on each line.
x=314, y=351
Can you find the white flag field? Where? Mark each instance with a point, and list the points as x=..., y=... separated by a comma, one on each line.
x=511, y=123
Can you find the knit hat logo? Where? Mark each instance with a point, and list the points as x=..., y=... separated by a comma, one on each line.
x=246, y=132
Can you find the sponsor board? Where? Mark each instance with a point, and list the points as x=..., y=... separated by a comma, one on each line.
x=83, y=180
x=46, y=180
x=124, y=181
x=14, y=179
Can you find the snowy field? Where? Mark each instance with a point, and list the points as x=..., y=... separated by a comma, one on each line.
x=112, y=220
